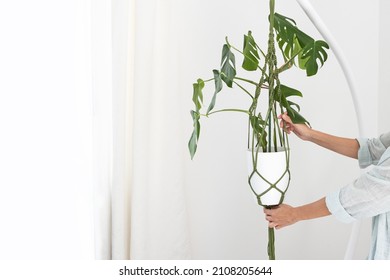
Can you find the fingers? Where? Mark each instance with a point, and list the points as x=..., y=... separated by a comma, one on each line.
x=287, y=127
x=270, y=218
x=286, y=123
x=285, y=117
x=274, y=217
x=272, y=225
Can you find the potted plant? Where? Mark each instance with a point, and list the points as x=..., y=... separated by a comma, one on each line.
x=268, y=146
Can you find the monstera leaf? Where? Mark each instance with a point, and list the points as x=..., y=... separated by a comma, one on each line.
x=218, y=88
x=258, y=126
x=197, y=98
x=193, y=143
x=251, y=55
x=312, y=53
x=293, y=42
x=197, y=95
x=228, y=65
x=282, y=93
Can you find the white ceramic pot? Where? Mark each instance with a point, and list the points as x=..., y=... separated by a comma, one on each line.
x=272, y=167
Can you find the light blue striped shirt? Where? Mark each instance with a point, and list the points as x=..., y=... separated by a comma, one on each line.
x=368, y=195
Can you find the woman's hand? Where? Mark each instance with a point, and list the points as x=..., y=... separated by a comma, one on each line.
x=281, y=216
x=301, y=130
x=285, y=215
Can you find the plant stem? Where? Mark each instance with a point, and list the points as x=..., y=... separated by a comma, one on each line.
x=251, y=82
x=246, y=80
x=241, y=87
x=288, y=64
x=227, y=110
x=260, y=50
x=271, y=244
x=272, y=77
x=209, y=80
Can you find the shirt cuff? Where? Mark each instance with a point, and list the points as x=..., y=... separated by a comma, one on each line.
x=334, y=206
x=364, y=156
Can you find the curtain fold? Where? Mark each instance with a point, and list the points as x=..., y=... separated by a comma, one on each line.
x=122, y=129
x=101, y=60
x=159, y=222
x=140, y=210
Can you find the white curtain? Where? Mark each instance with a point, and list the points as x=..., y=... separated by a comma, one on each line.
x=140, y=208
x=145, y=55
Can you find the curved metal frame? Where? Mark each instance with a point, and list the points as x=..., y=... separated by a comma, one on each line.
x=321, y=27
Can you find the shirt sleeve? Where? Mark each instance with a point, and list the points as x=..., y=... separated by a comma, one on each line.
x=368, y=195
x=371, y=150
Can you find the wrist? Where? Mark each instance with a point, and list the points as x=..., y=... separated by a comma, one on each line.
x=308, y=134
x=297, y=214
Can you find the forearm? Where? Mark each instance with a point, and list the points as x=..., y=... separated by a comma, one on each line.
x=345, y=146
x=284, y=215
x=313, y=210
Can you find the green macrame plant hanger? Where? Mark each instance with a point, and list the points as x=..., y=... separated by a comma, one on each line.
x=264, y=133
x=263, y=186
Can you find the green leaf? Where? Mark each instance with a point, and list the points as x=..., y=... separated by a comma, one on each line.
x=298, y=50
x=197, y=96
x=281, y=96
x=295, y=116
x=251, y=56
x=193, y=142
x=294, y=104
x=286, y=35
x=288, y=91
x=218, y=88
x=293, y=42
x=258, y=126
x=228, y=65
x=314, y=52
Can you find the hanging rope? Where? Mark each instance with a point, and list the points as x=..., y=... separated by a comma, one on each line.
x=274, y=131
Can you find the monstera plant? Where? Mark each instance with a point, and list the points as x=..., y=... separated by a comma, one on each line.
x=268, y=145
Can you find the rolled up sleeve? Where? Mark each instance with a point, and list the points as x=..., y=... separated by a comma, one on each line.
x=368, y=195
x=371, y=150
x=364, y=155
x=336, y=208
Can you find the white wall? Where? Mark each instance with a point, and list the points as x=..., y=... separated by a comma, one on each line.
x=46, y=129
x=45, y=136
x=384, y=61
x=225, y=222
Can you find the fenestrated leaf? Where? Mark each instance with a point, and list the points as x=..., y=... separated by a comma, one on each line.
x=286, y=33
x=258, y=126
x=313, y=53
x=282, y=92
x=294, y=104
x=298, y=50
x=228, y=66
x=193, y=142
x=295, y=116
x=288, y=91
x=251, y=56
x=218, y=88
x=281, y=96
x=197, y=96
x=257, y=123
x=292, y=41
